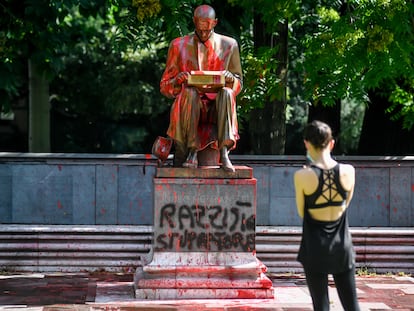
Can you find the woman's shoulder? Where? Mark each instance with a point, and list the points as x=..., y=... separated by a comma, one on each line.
x=346, y=168
x=304, y=170
x=306, y=180
x=305, y=173
x=347, y=176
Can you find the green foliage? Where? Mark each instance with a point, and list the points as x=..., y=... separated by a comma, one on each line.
x=42, y=31
x=260, y=78
x=262, y=81
x=166, y=18
x=351, y=123
x=103, y=66
x=111, y=88
x=104, y=58
x=114, y=96
x=366, y=45
x=146, y=8
x=113, y=84
x=271, y=12
x=403, y=105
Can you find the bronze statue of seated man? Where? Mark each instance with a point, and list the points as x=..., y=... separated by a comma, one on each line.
x=202, y=117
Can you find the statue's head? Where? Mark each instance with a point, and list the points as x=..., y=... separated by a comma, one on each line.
x=204, y=21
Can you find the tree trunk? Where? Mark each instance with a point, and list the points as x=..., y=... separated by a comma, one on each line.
x=380, y=135
x=268, y=125
x=39, y=110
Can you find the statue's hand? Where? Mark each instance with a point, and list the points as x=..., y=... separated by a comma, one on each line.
x=229, y=77
x=181, y=77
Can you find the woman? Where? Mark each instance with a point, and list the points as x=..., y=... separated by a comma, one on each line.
x=324, y=189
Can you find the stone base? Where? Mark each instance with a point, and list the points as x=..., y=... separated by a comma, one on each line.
x=204, y=237
x=206, y=293
x=241, y=172
x=209, y=275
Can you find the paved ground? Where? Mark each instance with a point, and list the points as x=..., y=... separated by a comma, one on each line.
x=110, y=291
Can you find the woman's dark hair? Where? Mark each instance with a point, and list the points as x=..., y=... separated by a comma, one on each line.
x=318, y=133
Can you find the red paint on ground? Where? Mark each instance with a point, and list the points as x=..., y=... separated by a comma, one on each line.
x=245, y=294
x=77, y=292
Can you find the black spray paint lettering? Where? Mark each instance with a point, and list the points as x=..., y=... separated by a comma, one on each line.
x=207, y=227
x=167, y=212
x=205, y=217
x=206, y=241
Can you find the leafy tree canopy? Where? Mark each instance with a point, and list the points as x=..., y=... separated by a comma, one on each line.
x=361, y=45
x=43, y=31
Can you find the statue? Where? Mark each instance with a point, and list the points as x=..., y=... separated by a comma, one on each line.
x=205, y=52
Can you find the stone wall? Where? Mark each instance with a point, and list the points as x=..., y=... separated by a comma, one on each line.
x=97, y=189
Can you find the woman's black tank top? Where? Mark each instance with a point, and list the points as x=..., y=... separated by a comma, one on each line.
x=326, y=246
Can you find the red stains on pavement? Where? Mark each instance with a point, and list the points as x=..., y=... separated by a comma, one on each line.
x=86, y=291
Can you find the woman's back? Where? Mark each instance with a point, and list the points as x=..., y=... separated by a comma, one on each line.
x=326, y=245
x=328, y=200
x=325, y=193
x=323, y=190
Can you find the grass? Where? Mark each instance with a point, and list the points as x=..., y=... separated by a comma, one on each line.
x=369, y=272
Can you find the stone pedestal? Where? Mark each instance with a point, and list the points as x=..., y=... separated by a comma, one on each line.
x=204, y=237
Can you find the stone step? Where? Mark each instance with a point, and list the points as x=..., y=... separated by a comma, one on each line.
x=196, y=281
x=204, y=293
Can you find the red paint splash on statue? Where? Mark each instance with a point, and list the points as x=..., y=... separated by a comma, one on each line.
x=204, y=27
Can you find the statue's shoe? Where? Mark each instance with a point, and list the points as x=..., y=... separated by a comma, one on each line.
x=191, y=161
x=179, y=155
x=225, y=161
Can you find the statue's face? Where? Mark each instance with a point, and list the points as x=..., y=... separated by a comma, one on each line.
x=204, y=27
